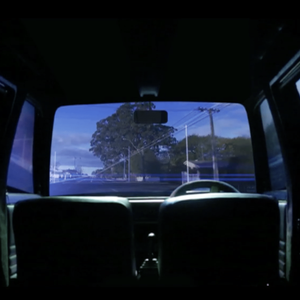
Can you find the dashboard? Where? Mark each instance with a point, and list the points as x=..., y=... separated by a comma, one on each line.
x=145, y=210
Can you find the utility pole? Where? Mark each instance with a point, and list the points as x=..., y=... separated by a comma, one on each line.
x=187, y=155
x=214, y=159
x=124, y=168
x=141, y=155
x=128, y=163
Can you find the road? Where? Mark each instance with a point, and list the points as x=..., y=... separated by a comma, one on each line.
x=94, y=186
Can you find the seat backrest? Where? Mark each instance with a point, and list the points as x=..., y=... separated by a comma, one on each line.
x=73, y=240
x=11, y=199
x=219, y=238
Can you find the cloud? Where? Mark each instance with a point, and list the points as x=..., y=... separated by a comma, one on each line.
x=71, y=156
x=66, y=139
x=68, y=146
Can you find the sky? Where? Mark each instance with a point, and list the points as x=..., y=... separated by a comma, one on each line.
x=74, y=126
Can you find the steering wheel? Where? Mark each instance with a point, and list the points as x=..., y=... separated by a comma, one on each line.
x=214, y=185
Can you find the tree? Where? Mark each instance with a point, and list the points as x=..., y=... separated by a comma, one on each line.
x=237, y=152
x=150, y=163
x=199, y=148
x=97, y=172
x=118, y=134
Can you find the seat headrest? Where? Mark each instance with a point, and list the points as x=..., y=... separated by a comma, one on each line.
x=78, y=199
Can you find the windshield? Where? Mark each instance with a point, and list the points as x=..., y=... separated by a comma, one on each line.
x=100, y=150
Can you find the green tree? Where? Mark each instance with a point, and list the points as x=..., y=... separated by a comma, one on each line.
x=118, y=134
x=237, y=152
x=97, y=172
x=150, y=163
x=199, y=148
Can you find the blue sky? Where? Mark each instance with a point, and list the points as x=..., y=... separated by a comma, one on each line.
x=74, y=126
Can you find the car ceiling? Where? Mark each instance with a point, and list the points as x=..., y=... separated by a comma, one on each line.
x=95, y=60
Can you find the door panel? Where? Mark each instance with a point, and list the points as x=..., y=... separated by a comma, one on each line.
x=281, y=196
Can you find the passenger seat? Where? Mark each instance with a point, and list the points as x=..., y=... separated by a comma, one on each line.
x=74, y=241
x=219, y=239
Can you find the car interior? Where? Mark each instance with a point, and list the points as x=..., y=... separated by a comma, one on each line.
x=132, y=203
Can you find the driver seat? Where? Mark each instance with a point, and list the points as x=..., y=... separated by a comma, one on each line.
x=219, y=239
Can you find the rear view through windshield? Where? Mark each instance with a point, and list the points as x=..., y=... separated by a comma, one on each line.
x=99, y=149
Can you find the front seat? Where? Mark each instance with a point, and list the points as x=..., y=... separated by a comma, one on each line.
x=219, y=239
x=74, y=241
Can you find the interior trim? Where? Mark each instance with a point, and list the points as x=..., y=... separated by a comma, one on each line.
x=12, y=198
x=285, y=69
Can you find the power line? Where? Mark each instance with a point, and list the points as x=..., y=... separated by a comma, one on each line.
x=170, y=131
x=179, y=130
x=207, y=116
x=195, y=112
x=164, y=135
x=162, y=138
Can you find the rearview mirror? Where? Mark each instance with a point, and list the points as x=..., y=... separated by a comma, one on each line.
x=150, y=116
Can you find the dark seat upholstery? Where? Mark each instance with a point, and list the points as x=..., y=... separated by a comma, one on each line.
x=219, y=238
x=74, y=241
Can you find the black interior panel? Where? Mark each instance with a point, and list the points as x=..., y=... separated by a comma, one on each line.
x=145, y=212
x=145, y=215
x=281, y=197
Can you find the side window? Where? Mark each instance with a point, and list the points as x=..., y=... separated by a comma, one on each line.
x=275, y=160
x=20, y=176
x=298, y=86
